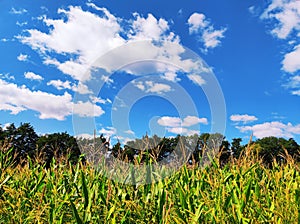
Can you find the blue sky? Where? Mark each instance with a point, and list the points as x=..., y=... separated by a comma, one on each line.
x=59, y=67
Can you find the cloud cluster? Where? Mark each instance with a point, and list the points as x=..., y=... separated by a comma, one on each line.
x=286, y=17
x=60, y=85
x=33, y=76
x=18, y=11
x=294, y=85
x=245, y=118
x=196, y=79
x=69, y=36
x=274, y=128
x=49, y=106
x=66, y=36
x=178, y=126
x=152, y=87
x=22, y=57
x=199, y=24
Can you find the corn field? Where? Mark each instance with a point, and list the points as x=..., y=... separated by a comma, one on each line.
x=244, y=191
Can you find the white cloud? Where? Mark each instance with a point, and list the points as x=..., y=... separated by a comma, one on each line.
x=130, y=132
x=80, y=88
x=21, y=24
x=69, y=35
x=245, y=118
x=58, y=84
x=106, y=79
x=252, y=9
x=5, y=126
x=286, y=14
x=18, y=11
x=4, y=40
x=7, y=76
x=158, y=88
x=197, y=21
x=192, y=120
x=182, y=131
x=211, y=38
x=151, y=87
x=16, y=99
x=148, y=28
x=100, y=100
x=294, y=82
x=22, y=57
x=87, y=109
x=296, y=92
x=32, y=76
x=169, y=121
x=85, y=136
x=291, y=62
x=108, y=131
x=196, y=79
x=274, y=128
x=171, y=76
x=177, y=126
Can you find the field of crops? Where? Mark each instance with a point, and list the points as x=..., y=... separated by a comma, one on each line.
x=244, y=191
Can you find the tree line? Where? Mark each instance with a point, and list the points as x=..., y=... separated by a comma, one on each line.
x=24, y=144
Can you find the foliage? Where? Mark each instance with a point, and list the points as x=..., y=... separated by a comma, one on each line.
x=26, y=145
x=58, y=145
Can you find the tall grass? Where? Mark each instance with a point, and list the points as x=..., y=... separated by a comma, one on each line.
x=244, y=191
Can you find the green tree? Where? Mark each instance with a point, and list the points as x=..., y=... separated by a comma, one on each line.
x=273, y=148
x=22, y=139
x=59, y=146
x=236, y=147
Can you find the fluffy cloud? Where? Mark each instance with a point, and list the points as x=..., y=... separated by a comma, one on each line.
x=148, y=28
x=177, y=126
x=80, y=88
x=108, y=131
x=274, y=128
x=286, y=14
x=69, y=36
x=196, y=79
x=296, y=92
x=100, y=100
x=87, y=109
x=294, y=85
x=286, y=18
x=198, y=24
x=291, y=62
x=152, y=87
x=16, y=99
x=197, y=21
x=192, y=120
x=22, y=57
x=245, y=118
x=32, y=76
x=182, y=131
x=294, y=82
x=169, y=121
x=171, y=76
x=58, y=84
x=130, y=132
